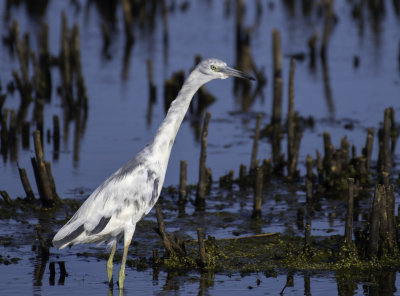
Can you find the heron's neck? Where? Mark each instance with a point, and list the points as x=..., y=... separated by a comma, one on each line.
x=166, y=133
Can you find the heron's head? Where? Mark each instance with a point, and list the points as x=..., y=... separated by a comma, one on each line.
x=217, y=69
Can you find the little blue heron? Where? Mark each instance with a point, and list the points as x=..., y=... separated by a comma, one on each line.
x=114, y=208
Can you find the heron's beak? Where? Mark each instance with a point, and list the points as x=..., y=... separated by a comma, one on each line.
x=233, y=72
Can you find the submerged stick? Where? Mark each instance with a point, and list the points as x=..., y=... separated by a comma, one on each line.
x=161, y=229
x=260, y=235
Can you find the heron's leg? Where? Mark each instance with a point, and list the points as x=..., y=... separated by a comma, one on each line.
x=127, y=241
x=110, y=263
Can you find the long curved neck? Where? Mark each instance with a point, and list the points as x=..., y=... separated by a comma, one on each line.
x=166, y=133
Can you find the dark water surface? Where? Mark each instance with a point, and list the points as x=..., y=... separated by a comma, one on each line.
x=117, y=128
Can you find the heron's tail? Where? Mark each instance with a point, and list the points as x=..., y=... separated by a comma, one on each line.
x=68, y=234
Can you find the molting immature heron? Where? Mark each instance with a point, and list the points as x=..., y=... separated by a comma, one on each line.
x=114, y=208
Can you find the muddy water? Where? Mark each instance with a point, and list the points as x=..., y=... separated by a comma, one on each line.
x=117, y=128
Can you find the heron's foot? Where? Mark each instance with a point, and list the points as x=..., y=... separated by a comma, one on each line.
x=121, y=277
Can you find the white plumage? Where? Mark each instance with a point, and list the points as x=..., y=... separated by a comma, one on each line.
x=114, y=208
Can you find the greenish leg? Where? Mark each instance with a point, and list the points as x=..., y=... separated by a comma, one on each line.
x=127, y=241
x=110, y=264
x=122, y=270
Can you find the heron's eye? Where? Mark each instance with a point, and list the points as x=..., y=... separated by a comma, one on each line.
x=214, y=68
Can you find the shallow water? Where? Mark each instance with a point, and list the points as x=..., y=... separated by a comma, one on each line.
x=117, y=127
x=88, y=277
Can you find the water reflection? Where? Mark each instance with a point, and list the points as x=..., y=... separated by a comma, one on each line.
x=327, y=89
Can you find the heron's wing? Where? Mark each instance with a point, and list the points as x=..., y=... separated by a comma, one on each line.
x=120, y=201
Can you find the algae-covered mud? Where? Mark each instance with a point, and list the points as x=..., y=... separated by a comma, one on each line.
x=265, y=256
x=299, y=176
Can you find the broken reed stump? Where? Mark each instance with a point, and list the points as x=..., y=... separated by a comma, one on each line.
x=38, y=114
x=69, y=62
x=44, y=179
x=277, y=74
x=26, y=184
x=182, y=188
x=384, y=156
x=227, y=180
x=328, y=154
x=320, y=167
x=202, y=249
x=254, y=151
x=367, y=151
x=309, y=168
x=202, y=185
x=5, y=197
x=382, y=233
x=393, y=131
x=294, y=135
x=348, y=232
x=290, y=116
x=258, y=194
x=183, y=182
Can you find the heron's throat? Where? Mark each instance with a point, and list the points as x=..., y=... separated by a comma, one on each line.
x=168, y=130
